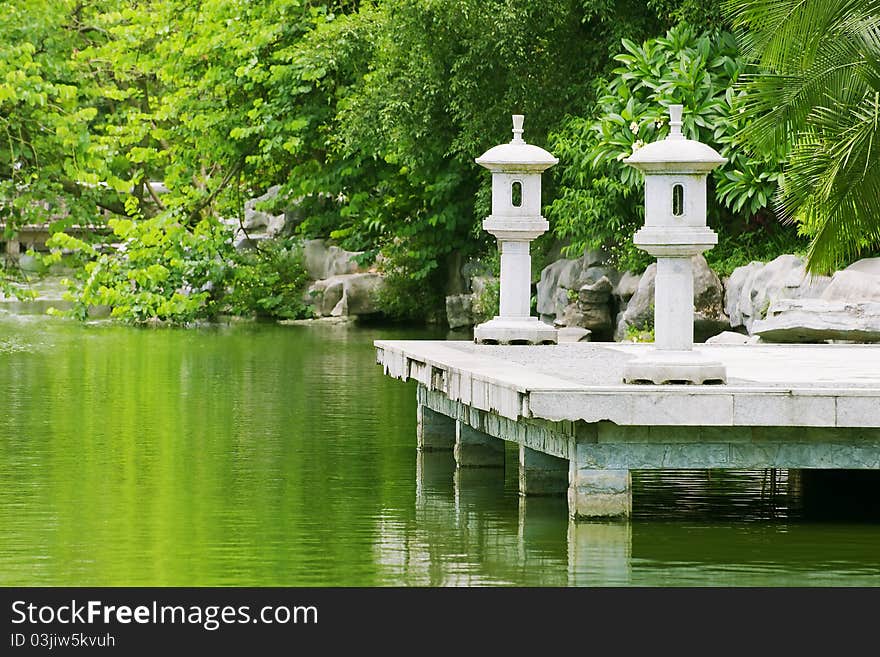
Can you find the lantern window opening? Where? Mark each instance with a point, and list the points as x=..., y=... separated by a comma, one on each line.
x=677, y=200
x=516, y=194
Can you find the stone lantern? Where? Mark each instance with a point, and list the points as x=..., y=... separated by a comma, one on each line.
x=675, y=230
x=515, y=221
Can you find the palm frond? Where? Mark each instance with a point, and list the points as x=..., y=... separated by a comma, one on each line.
x=816, y=89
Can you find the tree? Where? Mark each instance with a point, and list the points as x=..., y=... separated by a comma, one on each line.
x=817, y=95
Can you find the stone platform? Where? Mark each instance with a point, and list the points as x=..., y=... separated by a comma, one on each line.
x=580, y=429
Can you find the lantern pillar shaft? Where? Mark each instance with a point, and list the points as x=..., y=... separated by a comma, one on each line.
x=674, y=304
x=516, y=269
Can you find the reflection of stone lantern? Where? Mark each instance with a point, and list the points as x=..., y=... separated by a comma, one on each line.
x=675, y=230
x=516, y=220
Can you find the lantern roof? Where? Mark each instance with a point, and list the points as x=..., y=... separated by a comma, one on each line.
x=675, y=154
x=517, y=155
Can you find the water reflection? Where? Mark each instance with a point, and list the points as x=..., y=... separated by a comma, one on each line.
x=692, y=528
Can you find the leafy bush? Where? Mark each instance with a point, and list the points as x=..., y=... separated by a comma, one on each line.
x=600, y=202
x=269, y=281
x=163, y=271
x=160, y=270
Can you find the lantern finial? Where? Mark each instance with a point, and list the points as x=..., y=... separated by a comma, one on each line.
x=675, y=121
x=518, y=129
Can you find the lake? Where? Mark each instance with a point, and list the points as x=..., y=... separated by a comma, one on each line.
x=265, y=455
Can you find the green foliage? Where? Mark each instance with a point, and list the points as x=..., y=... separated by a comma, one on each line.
x=600, y=201
x=162, y=271
x=407, y=293
x=369, y=116
x=639, y=334
x=270, y=281
x=817, y=93
x=763, y=245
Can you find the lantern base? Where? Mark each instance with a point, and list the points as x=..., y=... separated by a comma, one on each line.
x=683, y=367
x=515, y=330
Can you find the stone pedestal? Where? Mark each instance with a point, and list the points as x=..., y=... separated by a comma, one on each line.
x=599, y=493
x=541, y=474
x=475, y=449
x=434, y=431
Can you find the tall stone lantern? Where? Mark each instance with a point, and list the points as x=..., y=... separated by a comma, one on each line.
x=675, y=230
x=515, y=221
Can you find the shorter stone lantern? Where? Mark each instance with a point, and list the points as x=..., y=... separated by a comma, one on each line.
x=675, y=230
x=515, y=221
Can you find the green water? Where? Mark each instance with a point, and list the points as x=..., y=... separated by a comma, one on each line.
x=268, y=455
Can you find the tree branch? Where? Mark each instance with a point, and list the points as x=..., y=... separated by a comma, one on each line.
x=205, y=202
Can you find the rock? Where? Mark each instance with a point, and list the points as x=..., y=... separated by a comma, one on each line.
x=595, y=318
x=563, y=299
x=734, y=291
x=481, y=285
x=730, y=337
x=326, y=261
x=626, y=286
x=853, y=285
x=254, y=218
x=750, y=293
x=257, y=225
x=347, y=294
x=572, y=334
x=569, y=275
x=639, y=311
x=866, y=266
x=459, y=310
x=709, y=316
x=595, y=293
x=819, y=320
x=548, y=286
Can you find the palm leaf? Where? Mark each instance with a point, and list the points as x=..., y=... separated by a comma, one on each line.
x=816, y=92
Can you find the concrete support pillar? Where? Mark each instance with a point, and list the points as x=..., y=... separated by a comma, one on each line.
x=475, y=449
x=599, y=493
x=541, y=474
x=599, y=553
x=516, y=272
x=435, y=431
x=674, y=304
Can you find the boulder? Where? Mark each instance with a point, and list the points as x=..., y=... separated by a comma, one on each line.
x=626, y=286
x=595, y=293
x=257, y=225
x=459, y=310
x=866, y=266
x=564, y=275
x=254, y=218
x=326, y=261
x=853, y=285
x=548, y=286
x=730, y=337
x=819, y=320
x=752, y=289
x=709, y=316
x=345, y=295
x=639, y=311
x=597, y=319
x=572, y=334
